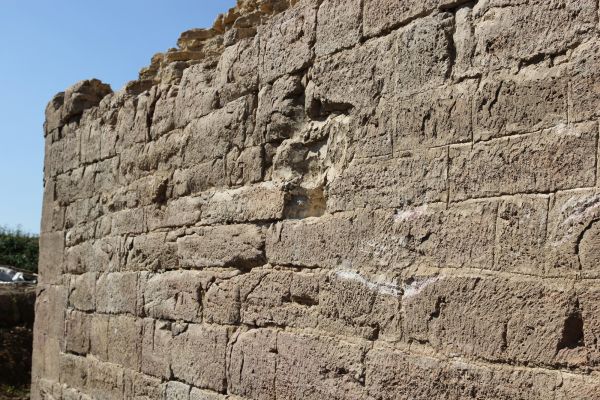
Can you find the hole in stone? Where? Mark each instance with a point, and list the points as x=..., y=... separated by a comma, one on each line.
x=572, y=334
x=304, y=203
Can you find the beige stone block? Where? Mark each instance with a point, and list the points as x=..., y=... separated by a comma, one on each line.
x=117, y=293
x=286, y=41
x=175, y=295
x=409, y=179
x=253, y=363
x=556, y=159
x=338, y=26
x=198, y=356
x=239, y=246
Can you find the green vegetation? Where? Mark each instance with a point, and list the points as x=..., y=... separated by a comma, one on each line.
x=8, y=392
x=19, y=249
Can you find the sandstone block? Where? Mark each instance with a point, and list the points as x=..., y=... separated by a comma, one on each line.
x=198, y=356
x=197, y=97
x=74, y=370
x=493, y=319
x=99, y=337
x=252, y=368
x=177, y=391
x=175, y=295
x=105, y=381
x=117, y=293
x=82, y=292
x=286, y=41
x=319, y=367
x=123, y=337
x=406, y=180
x=142, y=387
x=563, y=156
x=239, y=246
x=510, y=32
x=338, y=26
x=151, y=252
x=527, y=102
x=396, y=374
x=263, y=202
x=427, y=236
x=77, y=332
x=432, y=118
x=155, y=355
x=212, y=136
x=52, y=247
x=380, y=16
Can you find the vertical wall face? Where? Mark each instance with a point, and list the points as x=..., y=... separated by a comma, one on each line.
x=343, y=199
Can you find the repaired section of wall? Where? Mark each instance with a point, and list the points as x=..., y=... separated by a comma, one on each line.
x=332, y=199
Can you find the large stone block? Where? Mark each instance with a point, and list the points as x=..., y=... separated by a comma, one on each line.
x=381, y=16
x=175, y=295
x=124, y=338
x=425, y=236
x=338, y=25
x=106, y=381
x=432, y=118
x=82, y=292
x=239, y=246
x=319, y=367
x=532, y=100
x=117, y=293
x=253, y=363
x=286, y=41
x=499, y=320
x=51, y=258
x=198, y=356
x=77, y=332
x=399, y=374
x=510, y=33
x=409, y=179
x=564, y=158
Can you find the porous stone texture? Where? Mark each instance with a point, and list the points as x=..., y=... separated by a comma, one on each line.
x=326, y=199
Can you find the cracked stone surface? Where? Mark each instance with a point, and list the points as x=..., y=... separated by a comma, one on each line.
x=325, y=199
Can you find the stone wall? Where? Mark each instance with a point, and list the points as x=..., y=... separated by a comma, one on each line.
x=332, y=199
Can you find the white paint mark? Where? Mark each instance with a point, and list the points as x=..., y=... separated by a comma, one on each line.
x=417, y=286
x=410, y=214
x=379, y=285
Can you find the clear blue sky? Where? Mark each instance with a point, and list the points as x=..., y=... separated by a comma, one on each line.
x=49, y=45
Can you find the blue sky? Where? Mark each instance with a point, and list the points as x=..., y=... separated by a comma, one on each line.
x=49, y=45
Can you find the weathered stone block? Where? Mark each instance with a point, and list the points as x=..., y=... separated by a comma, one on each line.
x=319, y=367
x=198, y=356
x=408, y=179
x=338, y=25
x=252, y=365
x=510, y=33
x=286, y=41
x=564, y=158
x=493, y=319
x=82, y=292
x=52, y=248
x=239, y=246
x=527, y=102
x=124, y=346
x=117, y=293
x=175, y=295
x=380, y=16
x=77, y=332
x=398, y=374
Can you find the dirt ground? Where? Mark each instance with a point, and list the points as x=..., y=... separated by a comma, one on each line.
x=16, y=337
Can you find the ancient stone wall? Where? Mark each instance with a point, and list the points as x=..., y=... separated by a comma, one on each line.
x=332, y=199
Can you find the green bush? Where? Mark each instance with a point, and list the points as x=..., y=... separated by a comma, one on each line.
x=19, y=249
